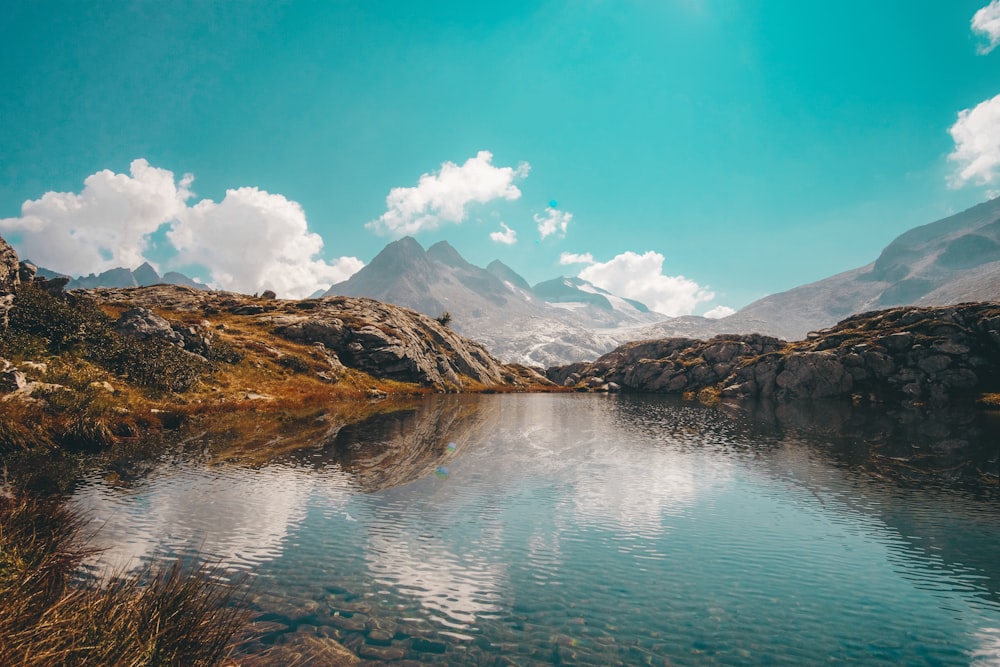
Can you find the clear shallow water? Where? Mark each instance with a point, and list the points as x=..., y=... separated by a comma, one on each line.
x=582, y=529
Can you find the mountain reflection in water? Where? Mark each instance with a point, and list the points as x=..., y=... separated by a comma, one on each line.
x=600, y=530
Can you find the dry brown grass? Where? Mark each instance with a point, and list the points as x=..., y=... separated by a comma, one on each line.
x=176, y=616
x=989, y=401
x=156, y=386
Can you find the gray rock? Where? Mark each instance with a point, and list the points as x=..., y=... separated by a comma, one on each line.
x=9, y=280
x=428, y=645
x=11, y=380
x=929, y=355
x=6, y=303
x=393, y=343
x=898, y=342
x=142, y=323
x=813, y=375
x=248, y=309
x=303, y=648
x=9, y=275
x=26, y=272
x=382, y=653
x=934, y=363
x=53, y=286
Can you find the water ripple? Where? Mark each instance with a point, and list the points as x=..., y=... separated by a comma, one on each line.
x=595, y=531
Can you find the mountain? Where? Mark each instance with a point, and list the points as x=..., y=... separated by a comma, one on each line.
x=143, y=276
x=953, y=260
x=508, y=275
x=565, y=290
x=175, y=278
x=146, y=275
x=498, y=307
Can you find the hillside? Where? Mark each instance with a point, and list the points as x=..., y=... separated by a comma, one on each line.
x=950, y=261
x=90, y=367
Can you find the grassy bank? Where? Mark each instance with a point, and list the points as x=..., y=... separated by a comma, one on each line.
x=48, y=616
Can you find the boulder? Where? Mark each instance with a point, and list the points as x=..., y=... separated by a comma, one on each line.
x=142, y=323
x=302, y=648
x=12, y=379
x=26, y=272
x=813, y=375
x=53, y=286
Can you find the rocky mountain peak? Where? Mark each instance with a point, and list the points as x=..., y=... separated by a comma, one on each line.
x=444, y=252
x=507, y=274
x=146, y=275
x=404, y=251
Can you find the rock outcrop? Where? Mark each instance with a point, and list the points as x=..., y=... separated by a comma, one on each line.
x=925, y=356
x=394, y=343
x=385, y=341
x=142, y=323
x=9, y=279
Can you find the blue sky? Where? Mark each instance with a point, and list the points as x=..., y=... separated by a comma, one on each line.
x=694, y=153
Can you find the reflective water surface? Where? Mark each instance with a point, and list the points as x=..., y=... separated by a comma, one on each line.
x=598, y=530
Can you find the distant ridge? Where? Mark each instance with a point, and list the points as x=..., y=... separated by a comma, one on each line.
x=143, y=276
x=950, y=261
x=496, y=305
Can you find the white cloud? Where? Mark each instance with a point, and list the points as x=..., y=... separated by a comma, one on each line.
x=553, y=222
x=508, y=236
x=249, y=242
x=640, y=277
x=254, y=240
x=719, y=312
x=576, y=258
x=443, y=197
x=105, y=226
x=977, y=144
x=987, y=23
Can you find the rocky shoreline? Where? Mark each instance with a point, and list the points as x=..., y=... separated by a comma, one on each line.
x=164, y=346
x=907, y=356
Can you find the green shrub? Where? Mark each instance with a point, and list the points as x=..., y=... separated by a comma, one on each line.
x=150, y=363
x=294, y=364
x=225, y=352
x=61, y=322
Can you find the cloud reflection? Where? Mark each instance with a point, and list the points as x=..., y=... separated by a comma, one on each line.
x=241, y=517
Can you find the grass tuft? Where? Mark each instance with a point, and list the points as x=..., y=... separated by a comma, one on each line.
x=175, y=616
x=989, y=401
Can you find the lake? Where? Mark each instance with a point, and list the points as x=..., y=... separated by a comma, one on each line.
x=596, y=530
